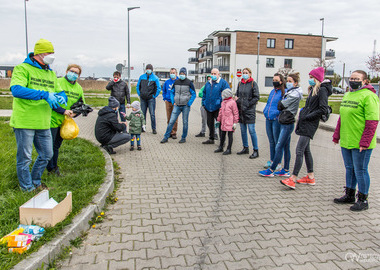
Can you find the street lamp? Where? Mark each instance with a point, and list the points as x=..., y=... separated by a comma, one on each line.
x=258, y=55
x=26, y=29
x=129, y=57
x=323, y=24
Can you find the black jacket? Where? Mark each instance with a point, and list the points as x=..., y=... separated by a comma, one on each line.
x=248, y=96
x=315, y=107
x=120, y=91
x=107, y=125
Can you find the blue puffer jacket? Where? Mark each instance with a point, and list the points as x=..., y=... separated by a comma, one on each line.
x=166, y=89
x=270, y=111
x=212, y=94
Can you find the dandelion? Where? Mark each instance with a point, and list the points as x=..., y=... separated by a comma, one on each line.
x=93, y=226
x=102, y=213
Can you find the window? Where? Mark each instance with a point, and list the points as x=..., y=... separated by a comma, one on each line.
x=288, y=63
x=270, y=62
x=289, y=43
x=271, y=43
x=268, y=81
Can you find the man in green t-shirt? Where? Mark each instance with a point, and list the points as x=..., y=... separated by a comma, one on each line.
x=33, y=87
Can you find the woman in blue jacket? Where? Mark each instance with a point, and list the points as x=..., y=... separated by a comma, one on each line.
x=271, y=114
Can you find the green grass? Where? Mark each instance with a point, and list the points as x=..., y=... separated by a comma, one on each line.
x=82, y=166
x=6, y=103
x=100, y=102
x=105, y=91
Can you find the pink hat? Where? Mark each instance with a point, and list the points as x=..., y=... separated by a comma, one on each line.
x=318, y=73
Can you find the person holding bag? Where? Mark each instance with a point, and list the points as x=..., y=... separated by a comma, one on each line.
x=288, y=108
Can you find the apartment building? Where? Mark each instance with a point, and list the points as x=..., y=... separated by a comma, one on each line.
x=263, y=52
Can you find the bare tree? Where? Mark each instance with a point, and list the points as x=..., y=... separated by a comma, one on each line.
x=285, y=71
x=373, y=64
x=326, y=64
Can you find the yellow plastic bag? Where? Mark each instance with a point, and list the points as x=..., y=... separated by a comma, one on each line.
x=69, y=129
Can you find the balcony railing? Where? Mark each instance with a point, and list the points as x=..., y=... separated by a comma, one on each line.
x=329, y=72
x=223, y=68
x=205, y=54
x=222, y=49
x=330, y=54
x=204, y=70
x=193, y=72
x=193, y=60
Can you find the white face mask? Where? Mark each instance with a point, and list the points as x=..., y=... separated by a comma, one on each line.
x=49, y=59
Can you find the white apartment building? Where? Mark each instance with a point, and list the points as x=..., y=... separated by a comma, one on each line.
x=263, y=52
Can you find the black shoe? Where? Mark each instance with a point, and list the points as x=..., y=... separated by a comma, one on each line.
x=244, y=151
x=173, y=136
x=41, y=187
x=164, y=140
x=227, y=152
x=216, y=137
x=219, y=150
x=54, y=171
x=154, y=131
x=132, y=148
x=255, y=154
x=361, y=204
x=200, y=135
x=139, y=148
x=183, y=140
x=109, y=149
x=208, y=142
x=349, y=197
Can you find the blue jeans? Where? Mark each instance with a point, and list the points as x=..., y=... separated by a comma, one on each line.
x=25, y=138
x=138, y=139
x=273, y=131
x=151, y=104
x=356, y=164
x=252, y=132
x=177, y=110
x=283, y=147
x=122, y=109
x=57, y=142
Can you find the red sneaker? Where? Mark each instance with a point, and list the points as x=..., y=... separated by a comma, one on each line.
x=289, y=183
x=306, y=180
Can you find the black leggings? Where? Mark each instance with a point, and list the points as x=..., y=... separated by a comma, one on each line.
x=223, y=138
x=211, y=117
x=303, y=148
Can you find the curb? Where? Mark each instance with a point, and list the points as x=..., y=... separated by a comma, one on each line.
x=52, y=249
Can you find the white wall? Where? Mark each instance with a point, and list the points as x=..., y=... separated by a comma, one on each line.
x=302, y=65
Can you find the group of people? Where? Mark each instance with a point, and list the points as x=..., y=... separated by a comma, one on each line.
x=41, y=103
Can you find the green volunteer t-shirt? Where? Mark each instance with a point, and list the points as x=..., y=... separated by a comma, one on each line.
x=355, y=109
x=32, y=114
x=74, y=92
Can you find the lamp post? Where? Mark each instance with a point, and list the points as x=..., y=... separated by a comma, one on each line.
x=129, y=57
x=258, y=55
x=323, y=25
x=26, y=29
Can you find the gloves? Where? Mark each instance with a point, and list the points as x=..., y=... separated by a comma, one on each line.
x=144, y=128
x=217, y=124
x=61, y=99
x=52, y=100
x=234, y=126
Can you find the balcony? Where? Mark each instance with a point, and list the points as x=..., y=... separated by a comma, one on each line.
x=330, y=54
x=223, y=68
x=193, y=60
x=204, y=70
x=222, y=49
x=206, y=54
x=193, y=72
x=329, y=72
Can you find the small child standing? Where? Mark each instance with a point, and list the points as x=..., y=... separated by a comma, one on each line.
x=136, y=124
x=227, y=120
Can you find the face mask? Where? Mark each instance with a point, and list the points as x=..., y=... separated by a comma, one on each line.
x=311, y=82
x=148, y=71
x=49, y=59
x=72, y=76
x=289, y=85
x=213, y=77
x=276, y=84
x=116, y=79
x=173, y=76
x=355, y=85
x=182, y=77
x=245, y=76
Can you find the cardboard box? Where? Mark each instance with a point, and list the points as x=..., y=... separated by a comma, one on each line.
x=45, y=212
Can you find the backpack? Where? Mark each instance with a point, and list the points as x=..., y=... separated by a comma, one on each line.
x=325, y=117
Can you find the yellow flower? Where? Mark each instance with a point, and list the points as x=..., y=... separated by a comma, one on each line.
x=99, y=216
x=102, y=213
x=93, y=226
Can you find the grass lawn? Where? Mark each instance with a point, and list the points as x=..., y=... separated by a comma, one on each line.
x=82, y=166
x=105, y=91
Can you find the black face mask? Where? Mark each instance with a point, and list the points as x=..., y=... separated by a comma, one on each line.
x=276, y=84
x=355, y=85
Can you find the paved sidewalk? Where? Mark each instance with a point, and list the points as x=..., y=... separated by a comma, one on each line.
x=183, y=207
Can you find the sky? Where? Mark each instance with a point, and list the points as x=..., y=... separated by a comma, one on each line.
x=93, y=33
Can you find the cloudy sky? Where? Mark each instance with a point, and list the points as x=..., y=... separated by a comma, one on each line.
x=93, y=33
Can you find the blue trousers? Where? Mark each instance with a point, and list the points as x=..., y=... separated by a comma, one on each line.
x=151, y=105
x=177, y=110
x=252, y=132
x=273, y=131
x=283, y=147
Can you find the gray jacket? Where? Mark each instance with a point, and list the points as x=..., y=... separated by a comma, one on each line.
x=291, y=100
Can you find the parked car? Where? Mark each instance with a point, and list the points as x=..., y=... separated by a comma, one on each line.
x=337, y=90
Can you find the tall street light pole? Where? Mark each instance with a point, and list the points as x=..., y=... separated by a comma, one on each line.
x=26, y=29
x=323, y=25
x=129, y=56
x=258, y=55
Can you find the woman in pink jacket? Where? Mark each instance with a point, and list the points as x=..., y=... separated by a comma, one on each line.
x=227, y=119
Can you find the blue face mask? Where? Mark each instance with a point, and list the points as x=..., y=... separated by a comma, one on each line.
x=213, y=77
x=289, y=85
x=311, y=82
x=71, y=76
x=245, y=76
x=173, y=76
x=148, y=71
x=182, y=77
